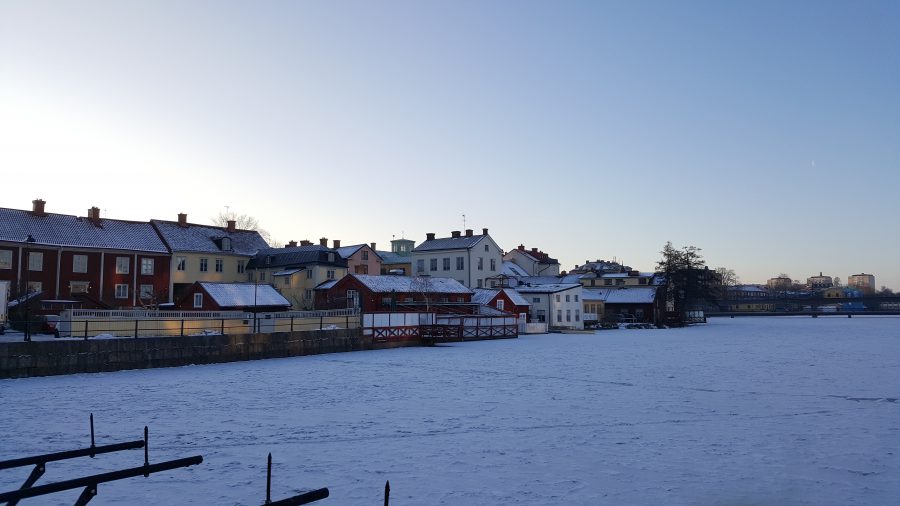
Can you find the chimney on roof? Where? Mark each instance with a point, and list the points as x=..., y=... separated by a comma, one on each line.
x=534, y=250
x=484, y=231
x=94, y=215
x=305, y=242
x=469, y=232
x=521, y=247
x=232, y=226
x=182, y=219
x=323, y=241
x=37, y=208
x=429, y=236
x=372, y=245
x=292, y=244
x=337, y=243
x=455, y=233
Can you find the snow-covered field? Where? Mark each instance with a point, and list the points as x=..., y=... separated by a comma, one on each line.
x=747, y=411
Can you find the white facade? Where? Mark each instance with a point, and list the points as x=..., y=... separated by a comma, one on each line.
x=559, y=305
x=471, y=263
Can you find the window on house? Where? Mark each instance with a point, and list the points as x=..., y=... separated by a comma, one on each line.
x=226, y=244
x=365, y=254
x=541, y=315
x=607, y=282
x=198, y=300
x=567, y=298
x=576, y=298
x=204, y=265
x=577, y=315
x=592, y=282
x=36, y=261
x=352, y=298
x=642, y=281
x=146, y=292
x=500, y=303
x=34, y=287
x=122, y=265
x=480, y=263
x=5, y=259
x=385, y=301
x=557, y=297
x=79, y=263
x=309, y=273
x=122, y=291
x=79, y=286
x=330, y=274
x=479, y=283
x=242, y=266
x=559, y=315
x=460, y=263
x=568, y=315
x=535, y=299
x=420, y=265
x=147, y=266
x=446, y=262
x=262, y=275
x=620, y=282
x=287, y=281
x=486, y=248
x=493, y=264
x=180, y=263
x=460, y=299
x=220, y=265
x=331, y=257
x=307, y=294
x=432, y=264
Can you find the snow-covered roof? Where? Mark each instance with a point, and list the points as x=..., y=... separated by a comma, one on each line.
x=621, y=295
x=77, y=232
x=244, y=294
x=295, y=256
x=516, y=297
x=327, y=284
x=511, y=269
x=617, y=275
x=547, y=288
x=407, y=284
x=207, y=238
x=288, y=272
x=443, y=243
x=389, y=257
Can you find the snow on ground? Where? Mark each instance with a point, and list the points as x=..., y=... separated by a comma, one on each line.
x=751, y=411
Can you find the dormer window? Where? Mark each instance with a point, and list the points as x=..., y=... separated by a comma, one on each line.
x=268, y=259
x=331, y=257
x=226, y=244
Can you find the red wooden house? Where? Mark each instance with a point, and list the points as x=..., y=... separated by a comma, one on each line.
x=396, y=293
x=93, y=260
x=502, y=299
x=252, y=297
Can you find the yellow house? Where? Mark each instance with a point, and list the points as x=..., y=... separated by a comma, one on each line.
x=615, y=280
x=295, y=271
x=206, y=252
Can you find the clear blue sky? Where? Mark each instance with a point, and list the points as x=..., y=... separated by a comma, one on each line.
x=766, y=133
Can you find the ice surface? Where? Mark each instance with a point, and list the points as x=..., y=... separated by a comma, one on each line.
x=748, y=411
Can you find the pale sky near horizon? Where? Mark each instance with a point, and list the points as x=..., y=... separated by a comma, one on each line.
x=765, y=133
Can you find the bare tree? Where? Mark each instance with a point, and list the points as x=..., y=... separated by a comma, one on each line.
x=727, y=277
x=243, y=222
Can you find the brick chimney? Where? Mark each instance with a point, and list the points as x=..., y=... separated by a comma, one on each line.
x=232, y=226
x=372, y=245
x=37, y=208
x=337, y=243
x=182, y=219
x=484, y=231
x=292, y=244
x=429, y=236
x=323, y=241
x=455, y=233
x=521, y=247
x=534, y=250
x=305, y=242
x=94, y=215
x=469, y=232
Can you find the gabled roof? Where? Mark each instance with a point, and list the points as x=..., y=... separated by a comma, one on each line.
x=547, y=288
x=621, y=295
x=511, y=269
x=244, y=294
x=484, y=296
x=77, y=232
x=296, y=256
x=407, y=284
x=349, y=251
x=449, y=243
x=207, y=238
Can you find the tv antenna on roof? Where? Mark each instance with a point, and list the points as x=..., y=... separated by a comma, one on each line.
x=464, y=221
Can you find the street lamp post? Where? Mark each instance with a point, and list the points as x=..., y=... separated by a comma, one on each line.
x=28, y=240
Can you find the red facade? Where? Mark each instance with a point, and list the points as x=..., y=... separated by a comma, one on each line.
x=340, y=296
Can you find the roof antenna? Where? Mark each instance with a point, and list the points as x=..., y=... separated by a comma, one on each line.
x=464, y=221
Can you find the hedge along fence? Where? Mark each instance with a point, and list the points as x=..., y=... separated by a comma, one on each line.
x=139, y=323
x=70, y=356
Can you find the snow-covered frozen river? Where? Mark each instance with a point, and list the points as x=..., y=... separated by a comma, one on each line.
x=753, y=411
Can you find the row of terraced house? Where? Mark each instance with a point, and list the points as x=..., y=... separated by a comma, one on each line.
x=61, y=260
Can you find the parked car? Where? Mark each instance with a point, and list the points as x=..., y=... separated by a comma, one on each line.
x=48, y=326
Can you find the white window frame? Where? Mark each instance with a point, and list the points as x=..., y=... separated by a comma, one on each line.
x=500, y=304
x=330, y=274
x=460, y=263
x=432, y=264
x=180, y=263
x=198, y=300
x=220, y=265
x=80, y=263
x=122, y=290
x=35, y=261
x=241, y=266
x=123, y=266
x=146, y=292
x=79, y=286
x=147, y=266
x=204, y=265
x=6, y=259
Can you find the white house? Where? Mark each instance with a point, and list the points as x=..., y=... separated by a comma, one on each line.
x=469, y=259
x=559, y=305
